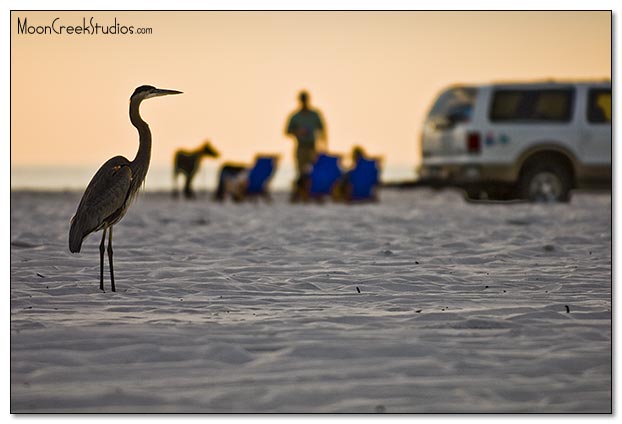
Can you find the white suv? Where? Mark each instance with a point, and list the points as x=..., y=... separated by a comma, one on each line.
x=535, y=141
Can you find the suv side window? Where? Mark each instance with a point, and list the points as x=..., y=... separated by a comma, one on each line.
x=532, y=106
x=599, y=106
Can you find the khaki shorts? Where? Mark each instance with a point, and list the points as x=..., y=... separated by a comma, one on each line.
x=305, y=158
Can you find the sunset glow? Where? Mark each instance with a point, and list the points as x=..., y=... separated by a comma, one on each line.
x=373, y=75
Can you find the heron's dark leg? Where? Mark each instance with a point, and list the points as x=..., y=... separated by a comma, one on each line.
x=101, y=261
x=110, y=258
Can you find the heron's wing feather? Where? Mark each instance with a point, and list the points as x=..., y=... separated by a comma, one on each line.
x=104, y=197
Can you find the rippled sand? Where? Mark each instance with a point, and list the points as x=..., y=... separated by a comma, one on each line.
x=422, y=303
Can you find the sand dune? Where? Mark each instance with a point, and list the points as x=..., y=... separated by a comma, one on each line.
x=422, y=303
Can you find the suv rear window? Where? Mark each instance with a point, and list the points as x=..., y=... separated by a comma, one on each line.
x=599, y=106
x=455, y=105
x=530, y=106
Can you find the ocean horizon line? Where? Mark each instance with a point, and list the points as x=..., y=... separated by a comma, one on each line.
x=159, y=178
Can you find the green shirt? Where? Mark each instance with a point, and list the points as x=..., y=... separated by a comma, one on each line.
x=303, y=124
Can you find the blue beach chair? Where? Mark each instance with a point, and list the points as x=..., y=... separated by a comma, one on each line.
x=242, y=182
x=324, y=175
x=363, y=180
x=260, y=174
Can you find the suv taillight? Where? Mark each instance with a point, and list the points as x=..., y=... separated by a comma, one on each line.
x=473, y=142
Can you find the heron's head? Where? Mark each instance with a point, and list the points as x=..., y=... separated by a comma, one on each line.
x=147, y=91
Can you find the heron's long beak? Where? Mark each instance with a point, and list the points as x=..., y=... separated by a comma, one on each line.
x=165, y=92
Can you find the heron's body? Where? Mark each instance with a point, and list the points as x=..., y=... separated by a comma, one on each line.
x=104, y=202
x=113, y=187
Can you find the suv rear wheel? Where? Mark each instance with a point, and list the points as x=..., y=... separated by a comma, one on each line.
x=545, y=182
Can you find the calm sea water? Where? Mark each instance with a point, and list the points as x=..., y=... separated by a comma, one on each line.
x=158, y=178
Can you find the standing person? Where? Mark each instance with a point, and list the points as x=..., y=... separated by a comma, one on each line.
x=307, y=126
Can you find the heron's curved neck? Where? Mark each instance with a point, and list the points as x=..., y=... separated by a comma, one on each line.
x=143, y=156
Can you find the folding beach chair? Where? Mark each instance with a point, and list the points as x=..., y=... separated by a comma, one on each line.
x=324, y=175
x=241, y=182
x=259, y=176
x=363, y=180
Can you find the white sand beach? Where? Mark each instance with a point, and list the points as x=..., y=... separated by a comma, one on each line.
x=422, y=303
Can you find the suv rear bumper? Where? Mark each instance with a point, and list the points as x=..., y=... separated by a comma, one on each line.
x=463, y=174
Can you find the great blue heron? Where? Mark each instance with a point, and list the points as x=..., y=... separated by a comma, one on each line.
x=113, y=187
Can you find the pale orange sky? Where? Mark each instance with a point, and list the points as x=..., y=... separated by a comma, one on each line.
x=373, y=75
